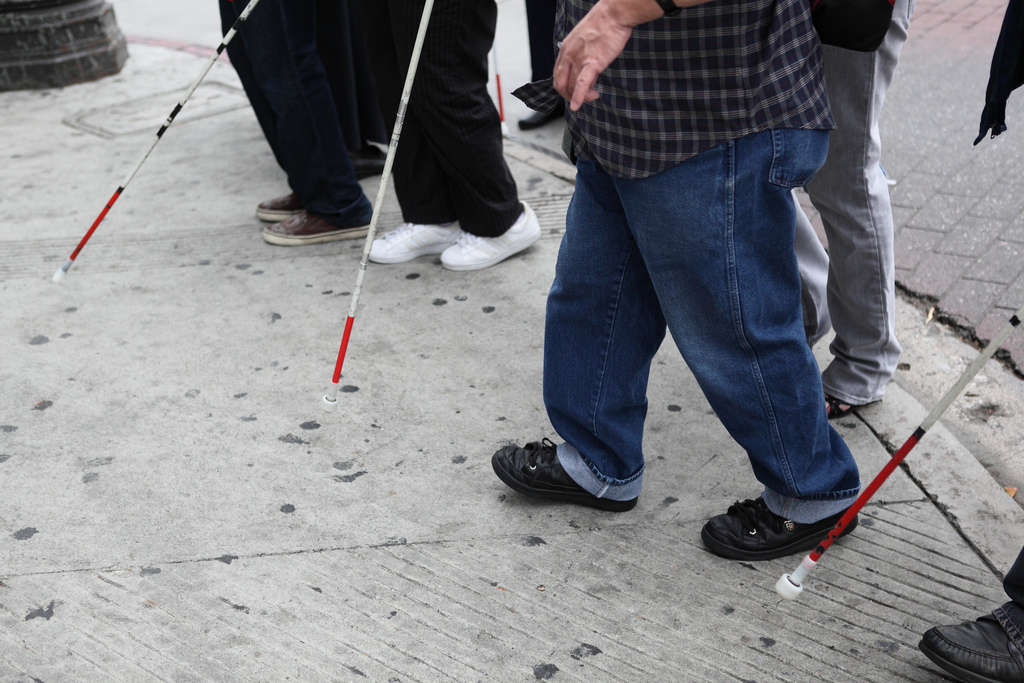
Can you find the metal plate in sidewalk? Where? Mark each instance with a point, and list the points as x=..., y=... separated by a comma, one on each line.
x=147, y=114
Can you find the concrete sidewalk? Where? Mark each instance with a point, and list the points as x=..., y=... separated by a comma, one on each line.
x=175, y=506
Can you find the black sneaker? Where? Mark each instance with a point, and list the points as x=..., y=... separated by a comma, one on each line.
x=534, y=471
x=750, y=531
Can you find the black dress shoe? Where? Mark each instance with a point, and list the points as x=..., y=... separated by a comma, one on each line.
x=750, y=531
x=538, y=119
x=534, y=471
x=976, y=651
x=367, y=162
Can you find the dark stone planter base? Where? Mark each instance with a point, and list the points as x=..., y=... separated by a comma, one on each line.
x=54, y=44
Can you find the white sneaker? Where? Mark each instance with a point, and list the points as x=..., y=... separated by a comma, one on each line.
x=410, y=240
x=473, y=253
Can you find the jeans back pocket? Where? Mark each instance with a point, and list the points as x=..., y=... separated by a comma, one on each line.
x=797, y=156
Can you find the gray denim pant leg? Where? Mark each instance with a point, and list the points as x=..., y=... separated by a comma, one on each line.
x=812, y=261
x=851, y=194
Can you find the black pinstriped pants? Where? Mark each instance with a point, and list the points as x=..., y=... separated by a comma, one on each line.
x=450, y=164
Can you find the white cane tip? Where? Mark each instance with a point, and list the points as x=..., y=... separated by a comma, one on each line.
x=58, y=277
x=329, y=405
x=786, y=589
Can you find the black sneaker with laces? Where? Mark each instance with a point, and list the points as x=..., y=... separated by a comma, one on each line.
x=750, y=531
x=534, y=471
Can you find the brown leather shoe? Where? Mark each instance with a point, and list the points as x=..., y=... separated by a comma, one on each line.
x=278, y=209
x=308, y=228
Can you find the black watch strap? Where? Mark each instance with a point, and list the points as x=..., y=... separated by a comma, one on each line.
x=669, y=7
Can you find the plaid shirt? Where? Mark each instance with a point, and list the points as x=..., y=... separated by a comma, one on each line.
x=684, y=84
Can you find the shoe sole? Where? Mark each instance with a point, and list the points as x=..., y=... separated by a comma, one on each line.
x=333, y=236
x=425, y=251
x=721, y=549
x=575, y=498
x=956, y=670
x=495, y=260
x=272, y=216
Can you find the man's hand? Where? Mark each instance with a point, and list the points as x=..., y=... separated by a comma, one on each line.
x=596, y=41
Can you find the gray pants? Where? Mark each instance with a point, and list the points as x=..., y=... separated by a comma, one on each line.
x=851, y=288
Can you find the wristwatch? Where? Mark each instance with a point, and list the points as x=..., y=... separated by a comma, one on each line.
x=669, y=7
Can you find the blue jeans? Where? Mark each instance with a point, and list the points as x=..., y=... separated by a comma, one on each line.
x=275, y=56
x=705, y=247
x=1011, y=615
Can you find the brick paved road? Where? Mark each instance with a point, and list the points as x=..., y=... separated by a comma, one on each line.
x=959, y=209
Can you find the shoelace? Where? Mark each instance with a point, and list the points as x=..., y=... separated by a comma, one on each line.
x=467, y=242
x=755, y=515
x=401, y=231
x=543, y=452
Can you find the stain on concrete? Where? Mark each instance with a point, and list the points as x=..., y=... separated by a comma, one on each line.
x=396, y=540
x=274, y=317
x=984, y=412
x=71, y=309
x=36, y=341
x=243, y=266
x=673, y=408
x=99, y=462
x=533, y=541
x=150, y=571
x=544, y=672
x=728, y=610
x=41, y=612
x=310, y=425
x=584, y=650
x=344, y=465
x=90, y=477
x=461, y=298
x=227, y=559
x=248, y=418
x=349, y=478
x=191, y=393
x=241, y=395
x=316, y=589
x=257, y=272
x=240, y=608
x=26, y=533
x=766, y=641
x=488, y=309
x=412, y=276
x=291, y=438
x=349, y=389
x=669, y=500
x=888, y=646
x=288, y=508
x=8, y=428
x=4, y=457
x=66, y=335
x=458, y=459
x=354, y=670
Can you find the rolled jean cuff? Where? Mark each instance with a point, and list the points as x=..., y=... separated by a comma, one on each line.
x=1011, y=618
x=807, y=510
x=583, y=474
